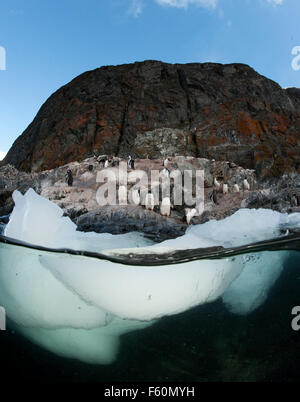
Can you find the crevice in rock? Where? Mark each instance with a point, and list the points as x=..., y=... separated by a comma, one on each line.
x=122, y=129
x=183, y=83
x=96, y=127
x=184, y=86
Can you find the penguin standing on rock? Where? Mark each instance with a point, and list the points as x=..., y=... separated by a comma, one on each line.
x=149, y=202
x=214, y=197
x=166, y=162
x=165, y=207
x=69, y=178
x=246, y=185
x=217, y=184
x=136, y=197
x=165, y=172
x=236, y=188
x=101, y=160
x=189, y=214
x=294, y=200
x=130, y=162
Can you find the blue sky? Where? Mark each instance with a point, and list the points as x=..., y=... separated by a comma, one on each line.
x=48, y=43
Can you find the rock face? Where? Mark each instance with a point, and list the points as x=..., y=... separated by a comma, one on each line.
x=10, y=180
x=281, y=195
x=225, y=112
x=120, y=219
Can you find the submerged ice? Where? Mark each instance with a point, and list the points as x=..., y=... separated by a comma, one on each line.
x=78, y=306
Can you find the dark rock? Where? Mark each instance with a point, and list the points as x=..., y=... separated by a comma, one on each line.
x=152, y=109
x=6, y=202
x=4, y=220
x=282, y=195
x=10, y=180
x=118, y=219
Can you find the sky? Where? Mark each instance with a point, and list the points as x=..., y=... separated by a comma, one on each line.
x=44, y=44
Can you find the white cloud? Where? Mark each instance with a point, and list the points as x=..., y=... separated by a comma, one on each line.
x=2, y=155
x=275, y=2
x=136, y=8
x=186, y=3
x=201, y=3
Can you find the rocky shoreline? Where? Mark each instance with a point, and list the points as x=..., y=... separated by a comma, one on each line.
x=79, y=200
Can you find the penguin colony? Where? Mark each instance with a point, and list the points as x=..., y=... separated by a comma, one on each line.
x=165, y=207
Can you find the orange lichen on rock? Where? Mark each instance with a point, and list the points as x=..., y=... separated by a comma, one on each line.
x=216, y=111
x=79, y=121
x=249, y=126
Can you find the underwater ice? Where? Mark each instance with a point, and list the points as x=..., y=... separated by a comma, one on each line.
x=79, y=306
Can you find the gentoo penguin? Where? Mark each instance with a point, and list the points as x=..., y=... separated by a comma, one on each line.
x=246, y=185
x=217, y=184
x=225, y=188
x=136, y=198
x=69, y=178
x=166, y=163
x=102, y=161
x=236, y=188
x=149, y=202
x=165, y=172
x=90, y=168
x=294, y=200
x=165, y=207
x=189, y=214
x=106, y=163
x=213, y=196
x=130, y=162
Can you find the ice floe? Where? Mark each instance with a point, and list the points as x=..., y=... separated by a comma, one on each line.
x=78, y=306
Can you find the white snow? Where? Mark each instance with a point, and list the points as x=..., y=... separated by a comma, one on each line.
x=78, y=306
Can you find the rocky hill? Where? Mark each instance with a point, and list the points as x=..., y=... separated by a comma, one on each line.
x=153, y=109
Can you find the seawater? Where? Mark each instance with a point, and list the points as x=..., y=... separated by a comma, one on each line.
x=206, y=343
